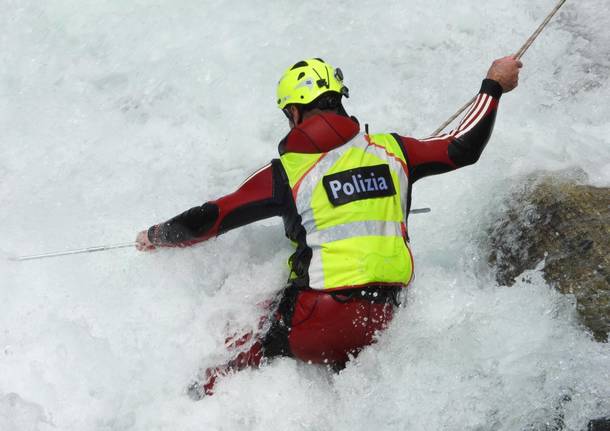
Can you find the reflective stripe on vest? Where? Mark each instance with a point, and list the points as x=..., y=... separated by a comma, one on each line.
x=362, y=241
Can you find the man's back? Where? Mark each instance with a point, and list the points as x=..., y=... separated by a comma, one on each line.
x=351, y=203
x=345, y=199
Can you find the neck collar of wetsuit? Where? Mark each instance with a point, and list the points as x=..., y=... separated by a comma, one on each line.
x=319, y=134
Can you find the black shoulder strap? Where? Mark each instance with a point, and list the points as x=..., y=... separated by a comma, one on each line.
x=410, y=173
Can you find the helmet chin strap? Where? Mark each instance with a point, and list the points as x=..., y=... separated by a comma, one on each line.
x=300, y=111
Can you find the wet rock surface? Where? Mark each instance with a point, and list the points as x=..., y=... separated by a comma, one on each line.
x=600, y=424
x=565, y=226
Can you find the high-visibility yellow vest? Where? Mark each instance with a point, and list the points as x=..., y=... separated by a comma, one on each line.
x=352, y=201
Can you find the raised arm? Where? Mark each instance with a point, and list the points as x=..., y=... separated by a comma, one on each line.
x=261, y=196
x=463, y=145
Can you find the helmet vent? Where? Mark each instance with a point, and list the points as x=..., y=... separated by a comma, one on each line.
x=301, y=75
x=299, y=64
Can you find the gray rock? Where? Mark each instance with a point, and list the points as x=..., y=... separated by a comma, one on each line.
x=566, y=225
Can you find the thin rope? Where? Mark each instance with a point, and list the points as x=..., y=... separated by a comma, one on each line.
x=78, y=251
x=519, y=54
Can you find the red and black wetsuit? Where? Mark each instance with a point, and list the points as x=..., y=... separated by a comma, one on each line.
x=266, y=193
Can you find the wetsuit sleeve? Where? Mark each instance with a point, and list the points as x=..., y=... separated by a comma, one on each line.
x=460, y=147
x=261, y=196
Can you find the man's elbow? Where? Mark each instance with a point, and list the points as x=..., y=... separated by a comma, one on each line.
x=470, y=159
x=464, y=153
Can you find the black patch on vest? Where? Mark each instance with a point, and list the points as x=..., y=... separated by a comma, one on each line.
x=357, y=184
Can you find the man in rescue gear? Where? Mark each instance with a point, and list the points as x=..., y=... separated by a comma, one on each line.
x=344, y=196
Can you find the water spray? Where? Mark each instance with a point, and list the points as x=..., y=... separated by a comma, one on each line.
x=94, y=249
x=518, y=55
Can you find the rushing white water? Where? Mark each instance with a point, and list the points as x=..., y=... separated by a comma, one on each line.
x=116, y=115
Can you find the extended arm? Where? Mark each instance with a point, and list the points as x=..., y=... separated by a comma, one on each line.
x=261, y=196
x=463, y=145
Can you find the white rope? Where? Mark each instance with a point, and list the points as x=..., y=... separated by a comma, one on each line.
x=78, y=251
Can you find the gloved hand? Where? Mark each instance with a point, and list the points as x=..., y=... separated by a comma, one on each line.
x=505, y=71
x=142, y=242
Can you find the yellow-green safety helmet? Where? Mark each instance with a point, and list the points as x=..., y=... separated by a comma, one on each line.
x=307, y=80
